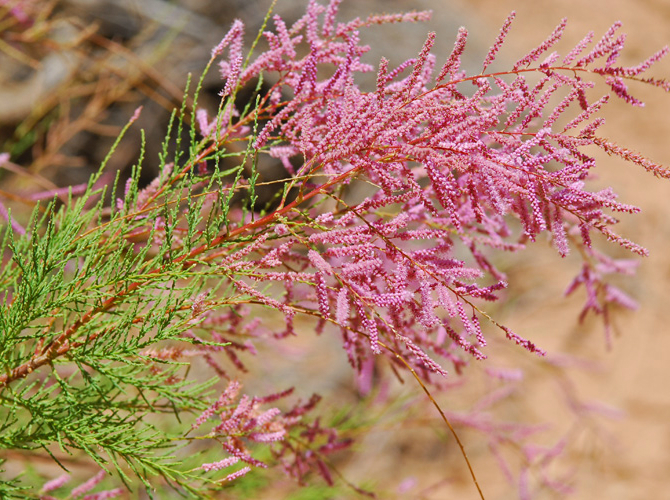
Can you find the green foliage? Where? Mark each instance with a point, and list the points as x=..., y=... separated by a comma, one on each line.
x=85, y=294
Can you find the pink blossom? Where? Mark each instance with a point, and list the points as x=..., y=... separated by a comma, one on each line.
x=104, y=495
x=499, y=41
x=136, y=114
x=267, y=437
x=453, y=63
x=233, y=39
x=88, y=485
x=222, y=464
x=235, y=475
x=54, y=484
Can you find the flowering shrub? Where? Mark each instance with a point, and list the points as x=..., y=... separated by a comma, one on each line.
x=385, y=229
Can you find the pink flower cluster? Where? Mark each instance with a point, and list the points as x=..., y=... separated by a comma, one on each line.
x=456, y=168
x=240, y=421
x=81, y=490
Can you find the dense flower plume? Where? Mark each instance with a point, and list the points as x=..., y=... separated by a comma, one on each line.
x=450, y=162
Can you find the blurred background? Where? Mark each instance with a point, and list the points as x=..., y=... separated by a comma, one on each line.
x=73, y=71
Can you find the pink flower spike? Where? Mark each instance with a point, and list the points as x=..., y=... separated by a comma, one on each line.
x=319, y=262
x=526, y=344
x=233, y=37
x=104, y=495
x=266, y=417
x=267, y=437
x=373, y=333
x=579, y=48
x=136, y=115
x=551, y=40
x=222, y=464
x=422, y=356
x=233, y=75
x=54, y=484
x=243, y=471
x=453, y=63
x=342, y=311
x=228, y=395
x=206, y=127
x=329, y=18
x=490, y=57
x=88, y=485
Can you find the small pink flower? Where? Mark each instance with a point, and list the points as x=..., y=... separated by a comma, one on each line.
x=54, y=484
